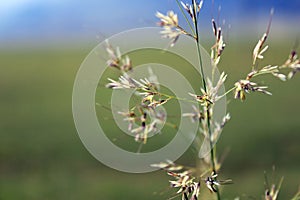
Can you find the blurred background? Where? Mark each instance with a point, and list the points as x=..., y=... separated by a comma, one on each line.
x=43, y=43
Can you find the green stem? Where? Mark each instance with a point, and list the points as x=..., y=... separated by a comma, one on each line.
x=227, y=92
x=212, y=152
x=262, y=73
x=186, y=19
x=177, y=98
x=185, y=32
x=198, y=47
x=170, y=96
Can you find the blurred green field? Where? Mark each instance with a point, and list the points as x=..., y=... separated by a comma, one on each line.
x=42, y=157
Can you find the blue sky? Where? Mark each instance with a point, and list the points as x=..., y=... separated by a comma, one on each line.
x=75, y=20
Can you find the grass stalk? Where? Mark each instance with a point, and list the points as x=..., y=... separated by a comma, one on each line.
x=185, y=16
x=212, y=152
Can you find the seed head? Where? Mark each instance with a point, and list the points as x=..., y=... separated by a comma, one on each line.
x=243, y=86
